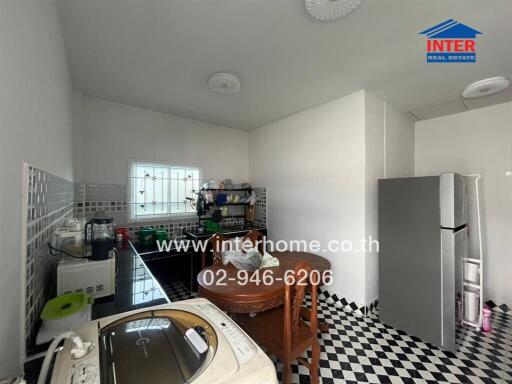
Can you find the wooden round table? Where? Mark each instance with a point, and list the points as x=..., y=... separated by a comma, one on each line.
x=221, y=285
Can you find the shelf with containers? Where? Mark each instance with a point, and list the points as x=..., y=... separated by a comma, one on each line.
x=216, y=205
x=473, y=258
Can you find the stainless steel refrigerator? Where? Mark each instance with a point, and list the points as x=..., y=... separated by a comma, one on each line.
x=423, y=240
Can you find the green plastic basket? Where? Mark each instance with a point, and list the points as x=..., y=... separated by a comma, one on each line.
x=212, y=226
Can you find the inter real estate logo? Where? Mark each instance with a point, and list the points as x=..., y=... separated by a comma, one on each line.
x=451, y=42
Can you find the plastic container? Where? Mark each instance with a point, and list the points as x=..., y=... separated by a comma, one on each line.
x=472, y=273
x=122, y=234
x=212, y=226
x=161, y=235
x=471, y=306
x=68, y=241
x=63, y=313
x=486, y=322
x=147, y=237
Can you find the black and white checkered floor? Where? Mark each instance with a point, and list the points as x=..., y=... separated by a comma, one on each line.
x=178, y=291
x=363, y=350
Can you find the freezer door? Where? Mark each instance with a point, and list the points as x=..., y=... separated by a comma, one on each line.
x=410, y=256
x=454, y=249
x=453, y=200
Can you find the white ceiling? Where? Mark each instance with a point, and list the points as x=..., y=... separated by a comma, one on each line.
x=159, y=54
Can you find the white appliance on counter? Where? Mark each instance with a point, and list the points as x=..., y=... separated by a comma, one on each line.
x=190, y=341
x=94, y=277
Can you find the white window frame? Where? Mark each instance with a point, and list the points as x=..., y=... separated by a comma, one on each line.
x=132, y=216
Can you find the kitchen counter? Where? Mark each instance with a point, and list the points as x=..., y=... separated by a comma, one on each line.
x=227, y=231
x=136, y=288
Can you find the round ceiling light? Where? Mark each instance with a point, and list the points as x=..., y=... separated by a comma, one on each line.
x=224, y=83
x=327, y=10
x=486, y=87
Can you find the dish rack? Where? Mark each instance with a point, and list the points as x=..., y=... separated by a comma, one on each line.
x=472, y=296
x=242, y=192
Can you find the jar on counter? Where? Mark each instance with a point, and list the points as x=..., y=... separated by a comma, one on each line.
x=147, y=237
x=122, y=234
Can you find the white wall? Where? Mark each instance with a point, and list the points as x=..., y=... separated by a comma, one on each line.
x=313, y=166
x=113, y=133
x=35, y=127
x=321, y=168
x=374, y=170
x=399, y=128
x=478, y=141
x=78, y=151
x=389, y=148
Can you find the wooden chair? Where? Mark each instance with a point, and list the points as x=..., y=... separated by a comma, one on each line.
x=215, y=242
x=256, y=238
x=289, y=341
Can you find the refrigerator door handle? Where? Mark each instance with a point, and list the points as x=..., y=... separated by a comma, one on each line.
x=455, y=230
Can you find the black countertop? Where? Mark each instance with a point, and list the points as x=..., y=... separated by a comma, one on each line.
x=136, y=288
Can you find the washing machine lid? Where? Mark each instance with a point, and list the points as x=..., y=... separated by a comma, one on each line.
x=151, y=347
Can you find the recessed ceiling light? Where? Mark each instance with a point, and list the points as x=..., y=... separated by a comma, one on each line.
x=224, y=83
x=327, y=10
x=486, y=87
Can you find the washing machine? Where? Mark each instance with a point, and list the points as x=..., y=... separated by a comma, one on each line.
x=191, y=341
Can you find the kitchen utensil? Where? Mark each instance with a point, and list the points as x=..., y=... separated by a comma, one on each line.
x=69, y=222
x=253, y=198
x=250, y=213
x=63, y=313
x=122, y=234
x=200, y=204
x=221, y=199
x=161, y=235
x=217, y=216
x=68, y=241
x=227, y=183
x=146, y=237
x=99, y=232
x=208, y=196
x=78, y=225
x=212, y=226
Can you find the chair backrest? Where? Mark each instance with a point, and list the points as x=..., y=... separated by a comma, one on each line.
x=256, y=238
x=216, y=241
x=301, y=279
x=216, y=244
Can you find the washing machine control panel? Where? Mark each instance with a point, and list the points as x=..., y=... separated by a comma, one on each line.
x=84, y=372
x=243, y=347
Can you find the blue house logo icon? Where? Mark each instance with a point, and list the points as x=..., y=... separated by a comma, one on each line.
x=451, y=42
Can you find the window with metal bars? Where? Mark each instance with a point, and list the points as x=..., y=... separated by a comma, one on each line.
x=160, y=190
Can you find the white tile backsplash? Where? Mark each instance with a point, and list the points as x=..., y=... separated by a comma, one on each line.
x=49, y=201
